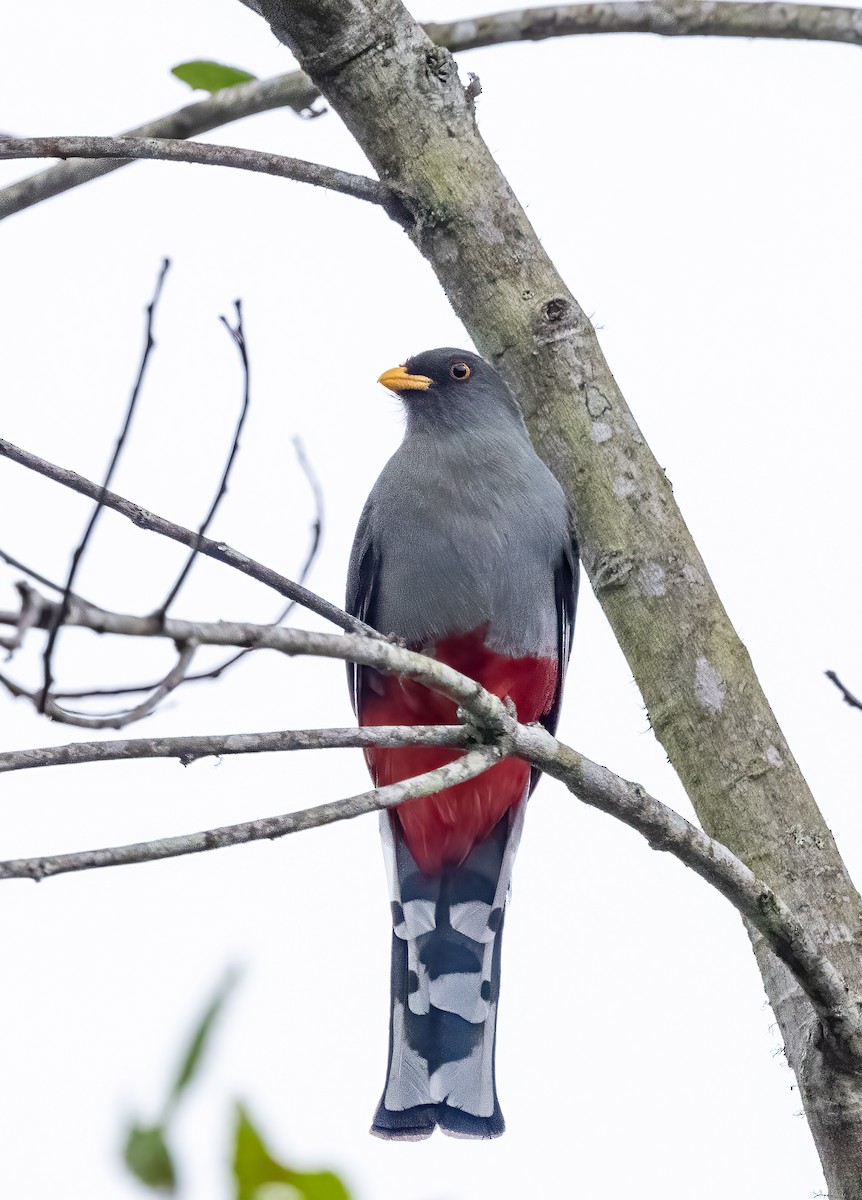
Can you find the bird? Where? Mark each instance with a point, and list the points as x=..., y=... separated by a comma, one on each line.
x=464, y=551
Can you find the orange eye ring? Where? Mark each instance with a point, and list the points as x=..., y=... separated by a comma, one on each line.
x=459, y=371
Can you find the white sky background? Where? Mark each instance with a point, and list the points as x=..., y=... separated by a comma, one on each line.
x=701, y=197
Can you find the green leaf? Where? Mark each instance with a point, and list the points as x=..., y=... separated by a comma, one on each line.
x=254, y=1168
x=148, y=1158
x=197, y=1045
x=210, y=76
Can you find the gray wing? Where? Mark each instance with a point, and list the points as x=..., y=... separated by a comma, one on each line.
x=362, y=582
x=566, y=579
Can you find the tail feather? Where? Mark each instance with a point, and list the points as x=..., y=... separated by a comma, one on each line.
x=447, y=937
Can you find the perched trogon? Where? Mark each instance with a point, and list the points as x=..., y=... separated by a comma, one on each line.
x=465, y=551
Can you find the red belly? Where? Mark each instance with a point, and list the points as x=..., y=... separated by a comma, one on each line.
x=441, y=830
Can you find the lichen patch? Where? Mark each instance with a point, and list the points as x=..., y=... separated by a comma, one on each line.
x=709, y=687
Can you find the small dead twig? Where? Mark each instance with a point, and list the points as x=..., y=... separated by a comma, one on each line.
x=216, y=672
x=144, y=519
x=64, y=716
x=846, y=695
x=44, y=697
x=49, y=583
x=238, y=334
x=31, y=608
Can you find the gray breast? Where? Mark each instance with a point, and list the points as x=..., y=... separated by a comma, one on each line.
x=469, y=534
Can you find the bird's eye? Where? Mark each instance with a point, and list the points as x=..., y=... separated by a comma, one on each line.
x=459, y=370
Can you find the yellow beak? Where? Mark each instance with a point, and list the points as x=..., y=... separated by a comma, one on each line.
x=397, y=380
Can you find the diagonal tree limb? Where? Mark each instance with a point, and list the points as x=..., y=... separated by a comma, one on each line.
x=360, y=187
x=402, y=99
x=219, y=551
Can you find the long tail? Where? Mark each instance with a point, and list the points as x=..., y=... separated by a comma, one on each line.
x=447, y=936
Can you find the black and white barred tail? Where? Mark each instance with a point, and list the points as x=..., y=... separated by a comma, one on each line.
x=446, y=942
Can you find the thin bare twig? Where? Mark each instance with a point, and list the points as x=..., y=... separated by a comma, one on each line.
x=360, y=187
x=238, y=336
x=847, y=696
x=311, y=555
x=222, y=667
x=177, y=533
x=19, y=566
x=100, y=497
x=121, y=720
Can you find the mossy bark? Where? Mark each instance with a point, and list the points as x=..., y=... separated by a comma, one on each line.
x=401, y=97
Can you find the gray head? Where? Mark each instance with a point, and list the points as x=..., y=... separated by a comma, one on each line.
x=447, y=389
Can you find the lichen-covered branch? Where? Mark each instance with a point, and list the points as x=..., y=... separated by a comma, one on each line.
x=595, y=785
x=190, y=748
x=666, y=830
x=667, y=18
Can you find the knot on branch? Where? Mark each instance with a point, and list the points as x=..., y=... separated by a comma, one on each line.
x=439, y=64
x=612, y=570
x=499, y=729
x=556, y=319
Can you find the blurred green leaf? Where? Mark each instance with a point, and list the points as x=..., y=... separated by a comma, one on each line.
x=254, y=1168
x=210, y=76
x=197, y=1045
x=148, y=1158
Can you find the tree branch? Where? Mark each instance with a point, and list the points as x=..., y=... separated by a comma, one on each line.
x=221, y=552
x=190, y=748
x=294, y=90
x=46, y=703
x=470, y=765
x=703, y=18
x=667, y=18
x=664, y=829
x=593, y=784
x=360, y=187
x=489, y=713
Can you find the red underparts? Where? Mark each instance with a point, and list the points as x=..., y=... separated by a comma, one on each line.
x=441, y=830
